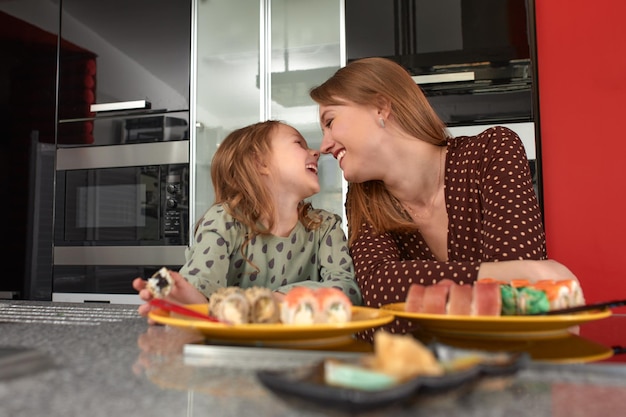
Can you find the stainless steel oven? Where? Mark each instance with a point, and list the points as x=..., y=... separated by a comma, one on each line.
x=120, y=212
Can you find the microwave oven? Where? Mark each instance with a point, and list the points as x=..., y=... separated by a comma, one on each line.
x=140, y=205
x=119, y=208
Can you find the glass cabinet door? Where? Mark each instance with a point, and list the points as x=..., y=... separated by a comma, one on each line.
x=305, y=51
x=257, y=60
x=226, y=95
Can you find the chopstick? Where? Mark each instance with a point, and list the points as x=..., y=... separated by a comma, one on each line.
x=177, y=308
x=578, y=309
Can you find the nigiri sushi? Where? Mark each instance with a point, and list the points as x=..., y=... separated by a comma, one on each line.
x=486, y=299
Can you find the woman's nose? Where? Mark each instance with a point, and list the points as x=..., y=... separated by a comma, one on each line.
x=327, y=144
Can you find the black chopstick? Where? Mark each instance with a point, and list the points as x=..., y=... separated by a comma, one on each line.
x=578, y=309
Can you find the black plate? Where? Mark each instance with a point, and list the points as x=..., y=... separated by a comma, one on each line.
x=307, y=383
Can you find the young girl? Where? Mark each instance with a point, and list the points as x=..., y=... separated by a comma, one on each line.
x=260, y=231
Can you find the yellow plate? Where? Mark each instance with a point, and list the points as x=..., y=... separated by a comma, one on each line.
x=363, y=318
x=569, y=348
x=500, y=327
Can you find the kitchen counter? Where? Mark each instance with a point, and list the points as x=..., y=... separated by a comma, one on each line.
x=105, y=360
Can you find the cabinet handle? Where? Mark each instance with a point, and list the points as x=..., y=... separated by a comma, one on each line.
x=120, y=105
x=444, y=78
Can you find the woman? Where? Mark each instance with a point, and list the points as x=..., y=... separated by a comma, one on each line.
x=423, y=206
x=260, y=231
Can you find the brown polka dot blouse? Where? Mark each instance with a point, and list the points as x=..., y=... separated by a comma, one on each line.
x=493, y=215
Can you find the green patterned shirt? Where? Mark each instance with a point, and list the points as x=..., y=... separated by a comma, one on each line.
x=316, y=258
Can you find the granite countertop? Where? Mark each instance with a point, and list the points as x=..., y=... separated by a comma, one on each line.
x=105, y=360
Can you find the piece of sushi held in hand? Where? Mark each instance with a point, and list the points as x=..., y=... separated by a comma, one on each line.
x=160, y=284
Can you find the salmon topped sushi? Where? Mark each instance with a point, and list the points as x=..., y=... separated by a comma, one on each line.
x=334, y=306
x=299, y=306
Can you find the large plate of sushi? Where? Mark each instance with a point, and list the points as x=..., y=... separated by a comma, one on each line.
x=253, y=315
x=495, y=309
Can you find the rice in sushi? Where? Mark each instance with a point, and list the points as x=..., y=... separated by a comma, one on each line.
x=160, y=284
x=334, y=306
x=299, y=306
x=263, y=308
x=230, y=305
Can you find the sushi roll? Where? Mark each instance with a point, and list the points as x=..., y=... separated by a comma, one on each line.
x=519, y=283
x=576, y=297
x=510, y=303
x=557, y=293
x=532, y=300
x=230, y=305
x=263, y=307
x=160, y=284
x=299, y=306
x=334, y=306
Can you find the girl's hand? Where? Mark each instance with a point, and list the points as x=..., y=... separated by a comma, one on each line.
x=182, y=292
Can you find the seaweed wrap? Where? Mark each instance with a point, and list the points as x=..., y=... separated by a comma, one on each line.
x=509, y=300
x=532, y=301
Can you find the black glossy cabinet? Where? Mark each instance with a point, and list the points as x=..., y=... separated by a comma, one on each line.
x=131, y=57
x=472, y=58
x=27, y=116
x=110, y=51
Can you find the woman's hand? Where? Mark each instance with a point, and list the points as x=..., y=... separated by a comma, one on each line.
x=182, y=292
x=533, y=271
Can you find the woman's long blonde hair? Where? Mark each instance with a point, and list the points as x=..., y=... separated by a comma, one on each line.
x=365, y=82
x=238, y=185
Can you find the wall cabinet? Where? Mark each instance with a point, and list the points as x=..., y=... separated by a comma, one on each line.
x=109, y=52
x=131, y=57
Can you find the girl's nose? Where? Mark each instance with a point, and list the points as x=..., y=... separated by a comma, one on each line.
x=315, y=153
